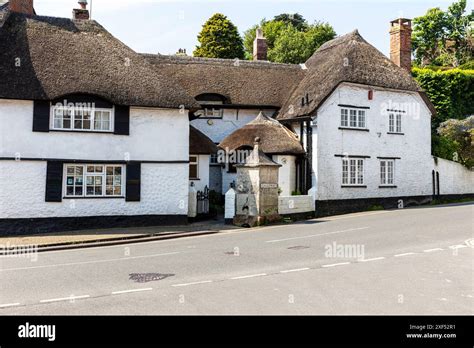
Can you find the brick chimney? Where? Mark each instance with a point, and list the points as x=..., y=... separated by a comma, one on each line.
x=400, y=42
x=22, y=6
x=81, y=13
x=260, y=46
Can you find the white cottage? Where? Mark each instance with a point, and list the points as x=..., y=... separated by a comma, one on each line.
x=362, y=119
x=90, y=134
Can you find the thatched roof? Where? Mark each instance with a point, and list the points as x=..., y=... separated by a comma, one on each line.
x=200, y=144
x=348, y=58
x=258, y=83
x=59, y=56
x=274, y=137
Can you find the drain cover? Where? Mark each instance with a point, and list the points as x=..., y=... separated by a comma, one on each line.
x=148, y=277
x=298, y=247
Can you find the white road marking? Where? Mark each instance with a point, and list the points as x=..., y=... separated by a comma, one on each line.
x=372, y=259
x=336, y=264
x=89, y=262
x=315, y=235
x=404, y=254
x=194, y=283
x=459, y=246
x=295, y=270
x=355, y=215
x=70, y=298
x=128, y=291
x=250, y=276
x=9, y=305
x=432, y=250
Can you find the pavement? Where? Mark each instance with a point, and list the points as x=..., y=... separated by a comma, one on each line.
x=407, y=261
x=112, y=236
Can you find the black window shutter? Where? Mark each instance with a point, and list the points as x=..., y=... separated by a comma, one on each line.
x=133, y=182
x=41, y=116
x=122, y=120
x=54, y=181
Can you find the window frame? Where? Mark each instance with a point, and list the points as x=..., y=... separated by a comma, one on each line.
x=351, y=169
x=395, y=122
x=196, y=163
x=86, y=174
x=213, y=112
x=353, y=118
x=73, y=110
x=384, y=175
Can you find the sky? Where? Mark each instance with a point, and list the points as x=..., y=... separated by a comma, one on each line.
x=164, y=26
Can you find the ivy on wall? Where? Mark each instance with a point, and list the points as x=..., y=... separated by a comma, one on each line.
x=452, y=93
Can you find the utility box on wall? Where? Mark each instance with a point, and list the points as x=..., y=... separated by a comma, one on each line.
x=256, y=190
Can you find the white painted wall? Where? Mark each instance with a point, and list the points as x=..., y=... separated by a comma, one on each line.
x=203, y=173
x=412, y=171
x=286, y=173
x=227, y=179
x=231, y=121
x=295, y=204
x=155, y=135
x=164, y=190
x=454, y=178
x=215, y=178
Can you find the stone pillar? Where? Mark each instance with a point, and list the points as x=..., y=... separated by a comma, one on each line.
x=229, y=206
x=257, y=190
x=192, y=201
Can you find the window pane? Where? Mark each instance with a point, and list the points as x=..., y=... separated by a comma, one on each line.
x=118, y=171
x=361, y=118
x=117, y=190
x=78, y=191
x=353, y=114
x=193, y=171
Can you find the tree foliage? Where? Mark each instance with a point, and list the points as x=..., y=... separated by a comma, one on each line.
x=452, y=93
x=290, y=39
x=219, y=38
x=444, y=37
x=461, y=134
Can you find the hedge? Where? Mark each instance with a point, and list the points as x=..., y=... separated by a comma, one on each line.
x=451, y=91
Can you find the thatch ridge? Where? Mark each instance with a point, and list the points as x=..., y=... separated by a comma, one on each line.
x=242, y=82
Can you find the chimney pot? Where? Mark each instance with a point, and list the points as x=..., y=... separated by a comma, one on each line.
x=400, y=42
x=22, y=6
x=81, y=13
x=260, y=46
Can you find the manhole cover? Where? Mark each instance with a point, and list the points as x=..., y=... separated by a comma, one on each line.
x=298, y=247
x=148, y=277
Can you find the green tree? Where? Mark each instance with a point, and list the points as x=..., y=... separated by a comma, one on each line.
x=295, y=19
x=461, y=134
x=219, y=38
x=443, y=37
x=293, y=46
x=288, y=44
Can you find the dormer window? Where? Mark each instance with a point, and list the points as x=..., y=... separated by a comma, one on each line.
x=211, y=103
x=213, y=112
x=81, y=117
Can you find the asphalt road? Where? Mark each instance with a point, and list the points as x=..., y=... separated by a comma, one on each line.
x=407, y=261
